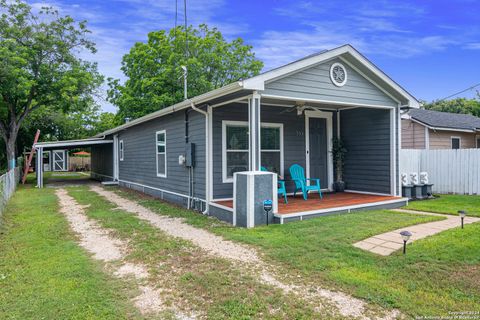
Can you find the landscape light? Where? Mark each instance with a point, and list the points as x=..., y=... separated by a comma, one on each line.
x=462, y=214
x=405, y=236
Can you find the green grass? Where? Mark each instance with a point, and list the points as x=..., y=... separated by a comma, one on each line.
x=449, y=204
x=44, y=274
x=214, y=286
x=438, y=275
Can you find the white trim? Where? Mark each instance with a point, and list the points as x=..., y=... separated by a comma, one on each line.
x=339, y=103
x=62, y=160
x=226, y=123
x=158, y=189
x=367, y=192
x=393, y=153
x=398, y=147
x=71, y=143
x=222, y=199
x=328, y=116
x=341, y=84
x=209, y=195
x=369, y=79
x=459, y=142
x=164, y=144
x=344, y=208
x=224, y=208
x=116, y=165
x=258, y=82
x=234, y=219
x=427, y=138
x=121, y=149
x=275, y=193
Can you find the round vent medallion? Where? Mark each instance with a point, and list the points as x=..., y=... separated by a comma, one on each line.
x=338, y=74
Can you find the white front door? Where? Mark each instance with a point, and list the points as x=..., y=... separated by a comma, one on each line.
x=59, y=160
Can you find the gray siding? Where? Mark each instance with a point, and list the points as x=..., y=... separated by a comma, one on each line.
x=315, y=83
x=293, y=135
x=102, y=161
x=139, y=164
x=366, y=133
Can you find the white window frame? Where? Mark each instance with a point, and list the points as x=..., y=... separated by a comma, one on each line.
x=459, y=142
x=226, y=123
x=164, y=143
x=121, y=147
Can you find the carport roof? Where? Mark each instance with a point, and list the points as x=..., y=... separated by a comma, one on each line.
x=72, y=143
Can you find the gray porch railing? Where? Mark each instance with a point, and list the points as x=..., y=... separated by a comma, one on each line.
x=8, y=184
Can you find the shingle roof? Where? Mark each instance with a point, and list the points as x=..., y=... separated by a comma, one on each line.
x=439, y=119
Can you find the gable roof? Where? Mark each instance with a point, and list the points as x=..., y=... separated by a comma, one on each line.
x=346, y=52
x=445, y=120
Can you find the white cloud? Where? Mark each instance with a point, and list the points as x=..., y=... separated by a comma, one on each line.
x=473, y=46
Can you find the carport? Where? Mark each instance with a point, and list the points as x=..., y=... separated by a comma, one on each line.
x=59, y=151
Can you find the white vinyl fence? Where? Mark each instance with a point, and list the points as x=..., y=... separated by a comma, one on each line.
x=451, y=171
x=8, y=184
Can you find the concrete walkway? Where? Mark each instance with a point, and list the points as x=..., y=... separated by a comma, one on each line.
x=386, y=243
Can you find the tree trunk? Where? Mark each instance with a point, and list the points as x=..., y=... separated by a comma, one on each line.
x=10, y=146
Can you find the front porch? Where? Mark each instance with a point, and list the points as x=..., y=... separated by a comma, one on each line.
x=332, y=203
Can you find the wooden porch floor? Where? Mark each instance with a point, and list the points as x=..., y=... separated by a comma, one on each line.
x=329, y=201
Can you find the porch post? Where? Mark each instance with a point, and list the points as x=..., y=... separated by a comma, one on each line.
x=254, y=131
x=115, y=158
x=39, y=169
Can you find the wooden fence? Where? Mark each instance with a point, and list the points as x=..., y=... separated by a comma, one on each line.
x=8, y=184
x=451, y=171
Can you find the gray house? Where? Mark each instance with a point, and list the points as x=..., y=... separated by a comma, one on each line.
x=189, y=153
x=428, y=129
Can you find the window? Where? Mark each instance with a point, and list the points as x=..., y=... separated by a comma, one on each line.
x=161, y=145
x=121, y=150
x=455, y=143
x=236, y=149
x=271, y=147
x=478, y=142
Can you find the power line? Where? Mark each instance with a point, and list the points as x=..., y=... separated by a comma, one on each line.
x=186, y=30
x=176, y=18
x=457, y=93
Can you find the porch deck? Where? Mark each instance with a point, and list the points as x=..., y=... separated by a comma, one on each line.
x=297, y=208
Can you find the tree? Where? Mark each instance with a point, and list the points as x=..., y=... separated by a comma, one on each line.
x=154, y=69
x=39, y=67
x=458, y=105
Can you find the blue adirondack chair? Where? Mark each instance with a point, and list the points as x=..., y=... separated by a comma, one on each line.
x=282, y=190
x=298, y=176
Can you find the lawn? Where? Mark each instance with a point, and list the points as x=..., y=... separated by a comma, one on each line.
x=214, y=286
x=44, y=274
x=449, y=204
x=438, y=275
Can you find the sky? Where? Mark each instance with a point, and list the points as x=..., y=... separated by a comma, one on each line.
x=431, y=48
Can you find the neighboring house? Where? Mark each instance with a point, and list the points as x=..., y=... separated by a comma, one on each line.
x=285, y=116
x=427, y=129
